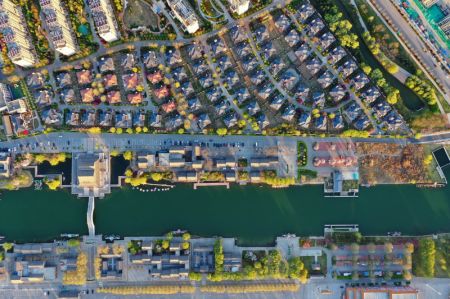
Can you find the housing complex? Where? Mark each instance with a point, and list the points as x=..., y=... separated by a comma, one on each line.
x=104, y=20
x=239, y=6
x=15, y=34
x=58, y=23
x=185, y=14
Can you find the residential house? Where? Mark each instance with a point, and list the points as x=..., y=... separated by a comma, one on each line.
x=214, y=94
x=277, y=102
x=283, y=22
x=203, y=121
x=150, y=59
x=237, y=34
x=217, y=46
x=337, y=122
x=123, y=119
x=338, y=92
x=326, y=79
x=326, y=40
x=106, y=64
x=304, y=119
x=261, y=33
x=314, y=66
x=230, y=120
x=288, y=113
x=292, y=38
x=320, y=123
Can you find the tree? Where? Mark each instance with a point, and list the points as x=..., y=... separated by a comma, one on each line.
x=297, y=270
x=186, y=236
x=165, y=244
x=371, y=248
x=355, y=248
x=392, y=97
x=392, y=68
x=221, y=131
x=366, y=68
x=156, y=176
x=407, y=275
x=409, y=247
x=388, y=247
x=73, y=243
x=7, y=246
x=185, y=245
x=195, y=276
x=428, y=159
x=114, y=153
x=53, y=184
x=128, y=155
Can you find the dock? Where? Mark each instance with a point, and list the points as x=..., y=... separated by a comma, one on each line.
x=211, y=184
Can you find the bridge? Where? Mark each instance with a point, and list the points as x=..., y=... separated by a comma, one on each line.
x=90, y=216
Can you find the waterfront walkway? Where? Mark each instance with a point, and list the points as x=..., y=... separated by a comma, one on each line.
x=90, y=216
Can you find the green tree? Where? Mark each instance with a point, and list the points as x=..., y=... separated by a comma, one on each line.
x=73, y=243
x=297, y=270
x=7, y=246
x=186, y=236
x=156, y=176
x=165, y=244
x=128, y=155
x=392, y=97
x=221, y=131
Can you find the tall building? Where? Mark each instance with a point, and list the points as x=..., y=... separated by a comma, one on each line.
x=239, y=6
x=429, y=3
x=104, y=20
x=185, y=14
x=445, y=25
x=15, y=34
x=59, y=27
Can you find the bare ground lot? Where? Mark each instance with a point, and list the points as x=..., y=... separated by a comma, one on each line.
x=139, y=13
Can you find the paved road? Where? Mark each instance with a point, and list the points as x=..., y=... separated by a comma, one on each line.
x=415, y=42
x=84, y=142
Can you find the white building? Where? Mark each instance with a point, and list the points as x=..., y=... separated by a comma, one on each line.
x=104, y=19
x=15, y=34
x=58, y=24
x=239, y=6
x=184, y=13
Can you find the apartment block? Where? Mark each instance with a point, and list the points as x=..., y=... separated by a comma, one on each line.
x=445, y=25
x=59, y=27
x=429, y=3
x=184, y=13
x=104, y=19
x=239, y=6
x=15, y=34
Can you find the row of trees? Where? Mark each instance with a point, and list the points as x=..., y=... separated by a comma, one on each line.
x=250, y=288
x=270, y=178
x=338, y=25
x=426, y=258
x=374, y=47
x=271, y=265
x=53, y=159
x=422, y=89
x=149, y=290
x=78, y=276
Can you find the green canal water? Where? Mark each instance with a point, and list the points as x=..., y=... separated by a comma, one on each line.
x=256, y=215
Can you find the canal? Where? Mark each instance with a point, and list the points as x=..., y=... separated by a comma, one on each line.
x=256, y=215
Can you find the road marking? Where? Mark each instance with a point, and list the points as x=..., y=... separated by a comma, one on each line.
x=436, y=291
